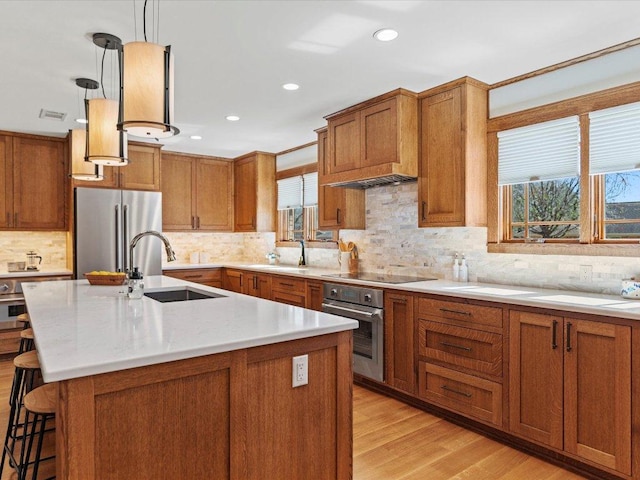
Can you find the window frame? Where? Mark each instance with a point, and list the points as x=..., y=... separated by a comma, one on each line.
x=294, y=172
x=591, y=224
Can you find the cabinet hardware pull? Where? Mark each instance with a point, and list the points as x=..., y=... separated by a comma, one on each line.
x=198, y=222
x=459, y=312
x=8, y=219
x=193, y=223
x=554, y=335
x=286, y=284
x=193, y=276
x=453, y=345
x=568, y=336
x=449, y=389
x=255, y=283
x=338, y=219
x=424, y=207
x=241, y=276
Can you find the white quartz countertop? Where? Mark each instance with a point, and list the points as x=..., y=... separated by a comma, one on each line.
x=554, y=299
x=34, y=273
x=83, y=330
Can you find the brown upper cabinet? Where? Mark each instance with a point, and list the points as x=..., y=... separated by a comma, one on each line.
x=33, y=173
x=373, y=139
x=452, y=186
x=338, y=207
x=197, y=193
x=255, y=192
x=141, y=173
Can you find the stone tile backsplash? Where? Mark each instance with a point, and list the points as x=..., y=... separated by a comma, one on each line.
x=51, y=246
x=392, y=243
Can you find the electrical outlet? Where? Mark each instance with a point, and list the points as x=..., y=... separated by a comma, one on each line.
x=300, y=371
x=586, y=273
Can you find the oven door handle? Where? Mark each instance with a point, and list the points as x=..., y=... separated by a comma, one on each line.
x=339, y=310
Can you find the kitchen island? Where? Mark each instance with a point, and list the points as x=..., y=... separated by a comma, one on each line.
x=194, y=389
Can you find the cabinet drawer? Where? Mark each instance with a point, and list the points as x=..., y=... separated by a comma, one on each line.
x=461, y=312
x=205, y=276
x=288, y=298
x=461, y=393
x=475, y=350
x=287, y=284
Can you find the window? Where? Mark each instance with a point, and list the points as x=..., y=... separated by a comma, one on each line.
x=298, y=209
x=574, y=179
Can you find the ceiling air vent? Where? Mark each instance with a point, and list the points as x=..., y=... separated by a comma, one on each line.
x=51, y=115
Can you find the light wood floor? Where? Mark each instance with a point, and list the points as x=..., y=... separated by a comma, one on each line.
x=393, y=441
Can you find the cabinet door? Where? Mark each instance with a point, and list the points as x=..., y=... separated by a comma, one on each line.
x=344, y=143
x=441, y=179
x=597, y=382
x=535, y=377
x=314, y=296
x=233, y=280
x=40, y=184
x=6, y=182
x=379, y=134
x=214, y=195
x=177, y=188
x=257, y=285
x=399, y=342
x=331, y=207
x=245, y=195
x=143, y=170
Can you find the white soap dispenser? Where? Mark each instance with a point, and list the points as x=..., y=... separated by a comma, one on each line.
x=456, y=269
x=464, y=270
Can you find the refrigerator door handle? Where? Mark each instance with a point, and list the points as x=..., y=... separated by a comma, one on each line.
x=125, y=238
x=117, y=239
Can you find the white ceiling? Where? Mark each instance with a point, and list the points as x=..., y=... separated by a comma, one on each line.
x=232, y=57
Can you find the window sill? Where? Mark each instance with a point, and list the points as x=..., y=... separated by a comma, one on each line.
x=599, y=249
x=308, y=244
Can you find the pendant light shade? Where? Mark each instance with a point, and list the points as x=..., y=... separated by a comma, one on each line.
x=106, y=145
x=82, y=169
x=147, y=90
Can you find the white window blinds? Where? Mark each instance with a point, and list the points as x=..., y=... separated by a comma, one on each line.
x=614, y=139
x=544, y=151
x=310, y=181
x=289, y=193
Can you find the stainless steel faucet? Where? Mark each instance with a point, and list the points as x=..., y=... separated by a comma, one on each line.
x=171, y=256
x=302, y=261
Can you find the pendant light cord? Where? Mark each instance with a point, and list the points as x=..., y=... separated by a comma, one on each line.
x=104, y=53
x=144, y=20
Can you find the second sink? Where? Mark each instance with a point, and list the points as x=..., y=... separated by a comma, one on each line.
x=181, y=295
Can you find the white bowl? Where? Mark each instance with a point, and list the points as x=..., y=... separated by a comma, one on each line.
x=630, y=289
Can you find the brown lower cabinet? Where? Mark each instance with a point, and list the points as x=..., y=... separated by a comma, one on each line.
x=570, y=386
x=206, y=276
x=289, y=290
x=399, y=341
x=236, y=410
x=247, y=282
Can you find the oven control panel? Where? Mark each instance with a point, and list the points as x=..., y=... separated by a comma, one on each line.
x=371, y=297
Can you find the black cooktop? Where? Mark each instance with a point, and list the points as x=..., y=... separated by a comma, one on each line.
x=379, y=277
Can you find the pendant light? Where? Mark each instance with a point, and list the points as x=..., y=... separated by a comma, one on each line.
x=106, y=144
x=146, y=99
x=81, y=168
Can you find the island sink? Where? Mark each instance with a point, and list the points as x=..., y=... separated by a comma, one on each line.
x=180, y=295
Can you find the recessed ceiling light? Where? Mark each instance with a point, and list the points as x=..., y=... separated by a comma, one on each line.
x=233, y=118
x=82, y=120
x=291, y=86
x=195, y=137
x=385, y=35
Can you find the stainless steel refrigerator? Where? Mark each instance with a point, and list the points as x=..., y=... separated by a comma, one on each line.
x=105, y=222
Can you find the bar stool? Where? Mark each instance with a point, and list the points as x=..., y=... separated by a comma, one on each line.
x=26, y=340
x=40, y=408
x=27, y=369
x=25, y=319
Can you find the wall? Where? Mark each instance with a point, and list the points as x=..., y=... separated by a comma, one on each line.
x=51, y=246
x=392, y=243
